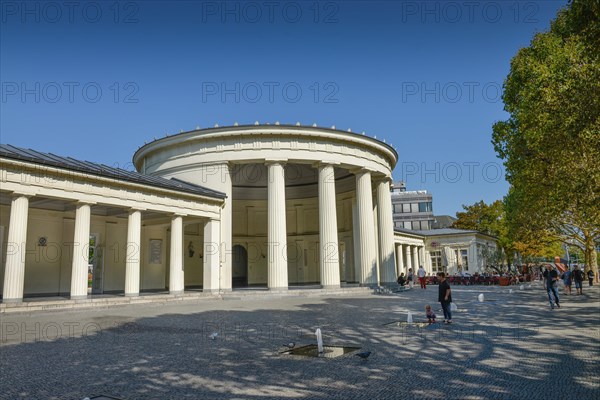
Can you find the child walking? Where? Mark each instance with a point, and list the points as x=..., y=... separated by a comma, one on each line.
x=430, y=314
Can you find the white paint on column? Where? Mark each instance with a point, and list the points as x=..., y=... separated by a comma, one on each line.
x=409, y=258
x=387, y=259
x=328, y=234
x=176, y=260
x=133, y=251
x=364, y=205
x=14, y=275
x=415, y=253
x=81, y=243
x=277, y=231
x=356, y=241
x=226, y=228
x=212, y=266
x=400, y=259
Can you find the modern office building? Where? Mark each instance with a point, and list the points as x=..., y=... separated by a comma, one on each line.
x=413, y=209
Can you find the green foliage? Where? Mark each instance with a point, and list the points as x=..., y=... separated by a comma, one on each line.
x=551, y=141
x=489, y=219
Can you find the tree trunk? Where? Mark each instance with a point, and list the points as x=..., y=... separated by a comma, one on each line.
x=591, y=260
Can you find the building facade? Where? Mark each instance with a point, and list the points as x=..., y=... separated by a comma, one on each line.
x=74, y=228
x=305, y=205
x=413, y=210
x=271, y=206
x=452, y=251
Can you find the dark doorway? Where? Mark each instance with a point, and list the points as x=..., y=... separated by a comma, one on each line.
x=239, y=267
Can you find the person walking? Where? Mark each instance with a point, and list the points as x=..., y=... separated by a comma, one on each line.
x=551, y=278
x=591, y=277
x=445, y=297
x=421, y=274
x=566, y=277
x=410, y=278
x=578, y=279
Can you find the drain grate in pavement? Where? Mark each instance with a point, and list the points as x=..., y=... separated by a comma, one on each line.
x=312, y=350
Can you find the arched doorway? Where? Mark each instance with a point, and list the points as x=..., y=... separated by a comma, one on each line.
x=239, y=267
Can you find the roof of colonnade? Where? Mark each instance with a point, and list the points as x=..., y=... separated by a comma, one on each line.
x=231, y=133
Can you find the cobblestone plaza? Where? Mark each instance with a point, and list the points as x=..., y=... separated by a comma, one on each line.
x=510, y=346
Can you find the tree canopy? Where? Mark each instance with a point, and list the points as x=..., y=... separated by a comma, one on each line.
x=550, y=143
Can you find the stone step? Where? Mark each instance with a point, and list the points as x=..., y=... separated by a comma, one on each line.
x=30, y=305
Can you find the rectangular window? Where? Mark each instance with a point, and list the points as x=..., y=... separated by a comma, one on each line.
x=425, y=206
x=407, y=225
x=436, y=261
x=416, y=225
x=414, y=207
x=406, y=207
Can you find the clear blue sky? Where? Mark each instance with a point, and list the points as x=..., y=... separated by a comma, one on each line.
x=423, y=75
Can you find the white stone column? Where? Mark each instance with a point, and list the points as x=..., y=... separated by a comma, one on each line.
x=14, y=274
x=277, y=230
x=472, y=257
x=385, y=225
x=212, y=265
x=422, y=257
x=176, y=282
x=81, y=243
x=226, y=228
x=409, y=258
x=415, y=253
x=400, y=249
x=132, y=253
x=329, y=259
x=356, y=242
x=364, y=206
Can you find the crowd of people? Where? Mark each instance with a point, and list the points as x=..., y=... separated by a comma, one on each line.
x=551, y=277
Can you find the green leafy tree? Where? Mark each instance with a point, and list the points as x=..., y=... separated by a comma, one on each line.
x=551, y=141
x=489, y=219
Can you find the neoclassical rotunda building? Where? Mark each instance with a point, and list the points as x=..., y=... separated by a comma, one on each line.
x=302, y=205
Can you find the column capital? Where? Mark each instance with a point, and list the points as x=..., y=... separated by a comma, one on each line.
x=325, y=163
x=16, y=194
x=280, y=161
x=84, y=203
x=134, y=209
x=383, y=178
x=360, y=170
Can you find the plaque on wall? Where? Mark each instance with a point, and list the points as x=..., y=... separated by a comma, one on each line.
x=155, y=251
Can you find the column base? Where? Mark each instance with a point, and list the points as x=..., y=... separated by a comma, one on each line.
x=331, y=286
x=79, y=297
x=211, y=291
x=176, y=292
x=132, y=295
x=12, y=301
x=369, y=285
x=278, y=289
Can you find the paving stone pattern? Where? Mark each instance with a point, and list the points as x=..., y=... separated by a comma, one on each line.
x=512, y=348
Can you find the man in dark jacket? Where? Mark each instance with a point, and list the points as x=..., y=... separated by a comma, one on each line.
x=551, y=281
x=445, y=297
